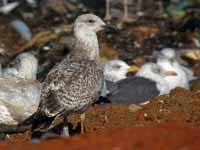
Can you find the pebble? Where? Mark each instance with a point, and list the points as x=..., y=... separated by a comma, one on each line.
x=134, y=108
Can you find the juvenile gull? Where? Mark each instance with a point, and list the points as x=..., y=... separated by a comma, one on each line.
x=147, y=83
x=73, y=85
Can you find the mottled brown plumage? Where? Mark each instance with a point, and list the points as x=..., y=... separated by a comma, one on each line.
x=74, y=85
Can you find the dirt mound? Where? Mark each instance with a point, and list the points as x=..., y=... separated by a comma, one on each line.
x=165, y=137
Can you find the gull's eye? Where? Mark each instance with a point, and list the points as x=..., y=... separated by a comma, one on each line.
x=172, y=60
x=91, y=21
x=157, y=70
x=116, y=67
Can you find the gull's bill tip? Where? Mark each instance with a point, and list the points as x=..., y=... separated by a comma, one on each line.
x=110, y=28
x=170, y=73
x=133, y=69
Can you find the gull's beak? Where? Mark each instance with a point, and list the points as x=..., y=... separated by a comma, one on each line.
x=110, y=28
x=170, y=73
x=133, y=69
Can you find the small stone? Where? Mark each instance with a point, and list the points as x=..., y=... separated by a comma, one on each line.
x=161, y=101
x=134, y=108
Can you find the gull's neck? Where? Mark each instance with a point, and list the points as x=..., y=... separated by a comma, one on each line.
x=86, y=44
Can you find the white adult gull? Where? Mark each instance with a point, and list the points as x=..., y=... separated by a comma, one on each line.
x=167, y=61
x=146, y=84
x=25, y=66
x=174, y=57
x=115, y=70
x=20, y=94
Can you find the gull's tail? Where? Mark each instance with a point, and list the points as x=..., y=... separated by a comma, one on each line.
x=38, y=121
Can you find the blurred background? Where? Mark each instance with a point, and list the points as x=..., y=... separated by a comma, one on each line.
x=144, y=25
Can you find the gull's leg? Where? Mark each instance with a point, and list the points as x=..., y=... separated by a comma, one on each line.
x=82, y=117
x=65, y=130
x=139, y=5
x=126, y=17
x=125, y=8
x=108, y=14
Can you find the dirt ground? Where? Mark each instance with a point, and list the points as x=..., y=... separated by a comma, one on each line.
x=179, y=106
x=165, y=137
x=167, y=122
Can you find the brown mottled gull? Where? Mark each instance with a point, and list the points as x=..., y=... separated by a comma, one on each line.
x=73, y=85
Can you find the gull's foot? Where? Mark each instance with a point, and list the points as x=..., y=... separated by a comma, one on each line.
x=65, y=131
x=129, y=19
x=107, y=18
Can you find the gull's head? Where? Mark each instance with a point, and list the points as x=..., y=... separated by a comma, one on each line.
x=85, y=28
x=115, y=70
x=27, y=65
x=149, y=69
x=168, y=53
x=153, y=71
x=89, y=23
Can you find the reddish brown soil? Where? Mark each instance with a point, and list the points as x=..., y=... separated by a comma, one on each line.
x=180, y=106
x=163, y=137
x=167, y=122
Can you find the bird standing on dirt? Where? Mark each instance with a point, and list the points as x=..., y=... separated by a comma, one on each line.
x=73, y=85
